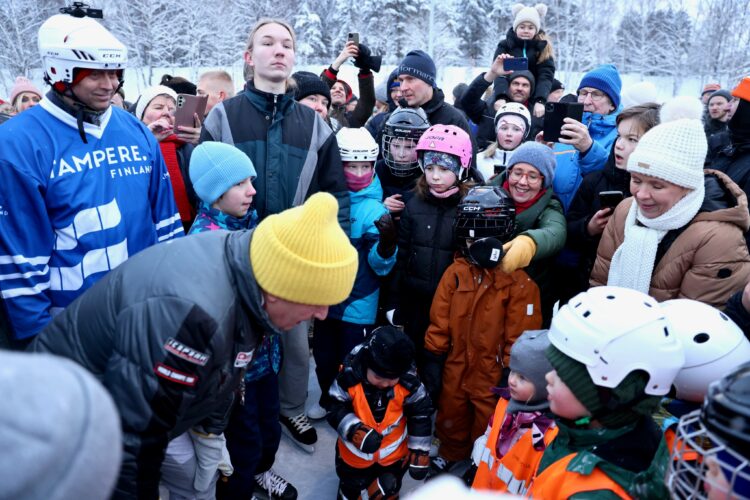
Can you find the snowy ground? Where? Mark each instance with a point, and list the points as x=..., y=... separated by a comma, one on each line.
x=314, y=475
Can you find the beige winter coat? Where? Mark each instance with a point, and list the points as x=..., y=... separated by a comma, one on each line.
x=708, y=262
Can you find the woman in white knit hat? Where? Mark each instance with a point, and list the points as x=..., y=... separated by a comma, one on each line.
x=682, y=232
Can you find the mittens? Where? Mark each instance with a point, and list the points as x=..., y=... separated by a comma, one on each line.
x=518, y=253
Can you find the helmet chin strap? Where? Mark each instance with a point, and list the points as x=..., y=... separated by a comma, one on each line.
x=82, y=110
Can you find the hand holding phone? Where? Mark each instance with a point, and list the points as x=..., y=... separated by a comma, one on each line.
x=516, y=64
x=610, y=199
x=554, y=118
x=187, y=107
x=353, y=37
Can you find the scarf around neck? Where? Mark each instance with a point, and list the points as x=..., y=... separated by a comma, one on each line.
x=168, y=147
x=633, y=262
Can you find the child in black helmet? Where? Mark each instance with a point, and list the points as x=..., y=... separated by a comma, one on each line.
x=381, y=413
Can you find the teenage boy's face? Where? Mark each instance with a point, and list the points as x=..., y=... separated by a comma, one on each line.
x=272, y=56
x=236, y=201
x=562, y=401
x=380, y=382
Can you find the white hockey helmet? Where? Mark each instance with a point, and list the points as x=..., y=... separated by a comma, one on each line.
x=67, y=42
x=356, y=144
x=614, y=331
x=714, y=346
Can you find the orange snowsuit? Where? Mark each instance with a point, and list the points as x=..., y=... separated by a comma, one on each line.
x=476, y=316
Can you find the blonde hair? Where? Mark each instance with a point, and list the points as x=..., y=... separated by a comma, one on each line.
x=549, y=51
x=223, y=78
x=248, y=70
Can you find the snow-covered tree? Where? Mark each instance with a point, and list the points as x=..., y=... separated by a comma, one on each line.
x=472, y=30
x=309, y=31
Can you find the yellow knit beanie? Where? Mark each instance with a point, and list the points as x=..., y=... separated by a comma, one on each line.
x=302, y=255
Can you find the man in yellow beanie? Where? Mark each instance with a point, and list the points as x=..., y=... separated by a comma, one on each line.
x=171, y=331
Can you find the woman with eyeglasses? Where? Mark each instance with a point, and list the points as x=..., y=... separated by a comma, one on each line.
x=540, y=224
x=24, y=94
x=585, y=145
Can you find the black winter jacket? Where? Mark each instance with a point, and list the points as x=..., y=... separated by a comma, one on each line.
x=737, y=312
x=293, y=150
x=544, y=72
x=170, y=347
x=734, y=161
x=417, y=408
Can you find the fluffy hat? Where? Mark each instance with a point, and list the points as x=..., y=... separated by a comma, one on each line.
x=148, y=95
x=639, y=93
x=59, y=428
x=23, y=84
x=538, y=156
x=390, y=353
x=514, y=108
x=310, y=84
x=381, y=92
x=527, y=357
x=533, y=15
x=721, y=93
x=710, y=87
x=302, y=255
x=419, y=65
x=215, y=167
x=742, y=90
x=674, y=150
x=605, y=78
x=613, y=408
x=179, y=84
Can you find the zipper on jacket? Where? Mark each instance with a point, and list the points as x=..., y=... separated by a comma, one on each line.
x=273, y=114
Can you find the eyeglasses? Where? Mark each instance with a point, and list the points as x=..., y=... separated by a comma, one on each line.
x=531, y=177
x=596, y=95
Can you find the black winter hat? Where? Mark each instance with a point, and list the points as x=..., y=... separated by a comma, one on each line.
x=310, y=84
x=179, y=84
x=525, y=74
x=390, y=352
x=419, y=64
x=556, y=85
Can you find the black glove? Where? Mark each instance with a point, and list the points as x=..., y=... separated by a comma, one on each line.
x=366, y=61
x=419, y=464
x=432, y=374
x=388, y=236
x=366, y=439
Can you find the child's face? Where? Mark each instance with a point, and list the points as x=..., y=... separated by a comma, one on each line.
x=380, y=382
x=562, y=401
x=526, y=31
x=521, y=389
x=403, y=150
x=509, y=133
x=439, y=179
x=236, y=201
x=628, y=135
x=358, y=168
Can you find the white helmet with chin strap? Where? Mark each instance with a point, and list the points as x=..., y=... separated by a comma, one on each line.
x=74, y=41
x=714, y=346
x=356, y=144
x=615, y=331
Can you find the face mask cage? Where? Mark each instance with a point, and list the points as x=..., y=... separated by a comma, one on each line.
x=401, y=138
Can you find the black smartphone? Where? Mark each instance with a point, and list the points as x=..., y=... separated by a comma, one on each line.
x=187, y=107
x=610, y=199
x=499, y=169
x=554, y=116
x=353, y=37
x=516, y=64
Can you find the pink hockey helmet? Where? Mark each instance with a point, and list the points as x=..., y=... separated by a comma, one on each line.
x=448, y=139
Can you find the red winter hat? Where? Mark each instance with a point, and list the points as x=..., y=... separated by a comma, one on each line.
x=742, y=90
x=348, y=89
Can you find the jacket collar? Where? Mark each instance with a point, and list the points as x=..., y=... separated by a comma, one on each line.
x=438, y=98
x=267, y=102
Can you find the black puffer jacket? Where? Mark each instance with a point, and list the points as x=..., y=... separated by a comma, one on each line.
x=170, y=354
x=544, y=72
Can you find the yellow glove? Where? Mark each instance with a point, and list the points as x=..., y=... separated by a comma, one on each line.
x=518, y=253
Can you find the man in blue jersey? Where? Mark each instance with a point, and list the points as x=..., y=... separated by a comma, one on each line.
x=83, y=185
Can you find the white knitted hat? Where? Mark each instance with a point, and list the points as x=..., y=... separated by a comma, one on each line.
x=676, y=149
x=148, y=95
x=533, y=15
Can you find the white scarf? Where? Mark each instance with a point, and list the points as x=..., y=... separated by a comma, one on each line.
x=633, y=262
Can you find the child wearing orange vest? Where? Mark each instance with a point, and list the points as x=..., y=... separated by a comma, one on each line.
x=613, y=356
x=508, y=453
x=382, y=414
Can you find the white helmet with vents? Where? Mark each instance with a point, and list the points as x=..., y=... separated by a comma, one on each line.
x=67, y=42
x=714, y=346
x=615, y=331
x=356, y=144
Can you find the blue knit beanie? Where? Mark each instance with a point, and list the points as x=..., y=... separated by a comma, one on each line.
x=215, y=167
x=605, y=78
x=538, y=156
x=419, y=65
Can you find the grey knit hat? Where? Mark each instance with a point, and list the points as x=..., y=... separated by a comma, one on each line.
x=59, y=430
x=538, y=156
x=527, y=357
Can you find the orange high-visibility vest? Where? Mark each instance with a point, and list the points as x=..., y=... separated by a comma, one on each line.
x=512, y=472
x=557, y=482
x=674, y=444
x=394, y=446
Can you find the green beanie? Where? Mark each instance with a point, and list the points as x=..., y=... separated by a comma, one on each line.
x=628, y=401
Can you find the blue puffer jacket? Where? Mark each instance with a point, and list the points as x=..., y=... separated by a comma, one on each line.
x=362, y=305
x=572, y=166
